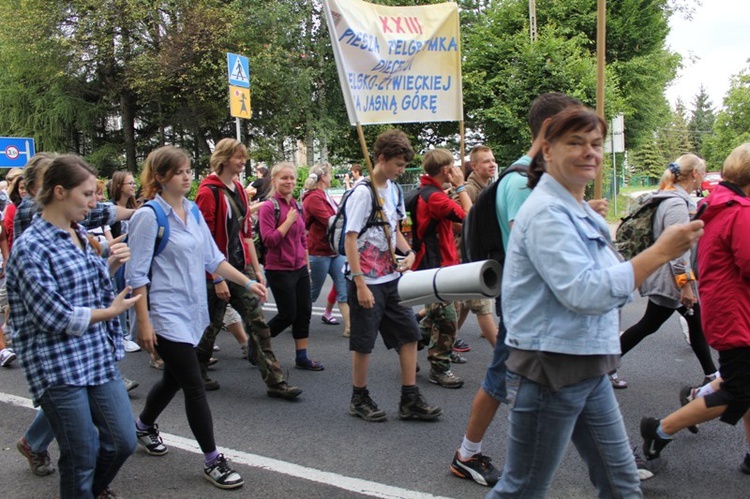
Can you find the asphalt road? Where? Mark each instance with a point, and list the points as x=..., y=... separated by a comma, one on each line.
x=313, y=448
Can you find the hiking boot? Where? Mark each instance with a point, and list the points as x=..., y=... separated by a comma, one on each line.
x=39, y=462
x=652, y=442
x=687, y=394
x=647, y=468
x=478, y=468
x=745, y=466
x=151, y=441
x=414, y=406
x=283, y=391
x=222, y=475
x=461, y=346
x=107, y=494
x=208, y=383
x=446, y=379
x=364, y=407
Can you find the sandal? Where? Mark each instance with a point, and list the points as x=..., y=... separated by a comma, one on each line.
x=617, y=383
x=331, y=321
x=309, y=365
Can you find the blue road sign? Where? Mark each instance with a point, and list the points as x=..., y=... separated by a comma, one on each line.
x=16, y=151
x=239, y=70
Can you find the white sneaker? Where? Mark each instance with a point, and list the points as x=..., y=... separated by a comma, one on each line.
x=131, y=346
x=7, y=356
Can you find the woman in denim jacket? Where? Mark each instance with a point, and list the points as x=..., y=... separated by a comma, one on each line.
x=562, y=286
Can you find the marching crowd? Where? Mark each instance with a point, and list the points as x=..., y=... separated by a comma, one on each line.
x=85, y=280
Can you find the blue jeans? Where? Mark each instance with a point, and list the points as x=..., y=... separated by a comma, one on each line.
x=95, y=430
x=543, y=422
x=331, y=265
x=39, y=433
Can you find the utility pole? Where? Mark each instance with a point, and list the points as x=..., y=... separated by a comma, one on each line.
x=532, y=19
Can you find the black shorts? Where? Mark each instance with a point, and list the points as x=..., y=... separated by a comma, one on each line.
x=395, y=322
x=734, y=391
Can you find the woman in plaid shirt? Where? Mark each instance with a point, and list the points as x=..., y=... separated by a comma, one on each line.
x=64, y=313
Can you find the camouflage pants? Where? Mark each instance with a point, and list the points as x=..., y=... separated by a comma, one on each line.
x=248, y=305
x=441, y=322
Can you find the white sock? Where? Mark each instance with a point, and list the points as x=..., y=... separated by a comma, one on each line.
x=469, y=448
x=705, y=390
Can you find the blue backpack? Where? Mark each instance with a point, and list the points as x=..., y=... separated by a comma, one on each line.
x=162, y=236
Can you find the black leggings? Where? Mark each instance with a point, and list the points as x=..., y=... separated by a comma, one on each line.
x=655, y=316
x=291, y=291
x=181, y=371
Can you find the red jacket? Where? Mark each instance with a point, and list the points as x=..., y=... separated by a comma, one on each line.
x=216, y=215
x=724, y=269
x=446, y=211
x=317, y=212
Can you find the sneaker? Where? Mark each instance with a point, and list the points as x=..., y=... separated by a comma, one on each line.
x=652, y=443
x=647, y=468
x=461, y=346
x=364, y=407
x=745, y=466
x=222, y=475
x=478, y=468
x=151, y=441
x=283, y=391
x=446, y=379
x=131, y=346
x=217, y=348
x=129, y=383
x=414, y=406
x=7, y=357
x=457, y=358
x=39, y=462
x=156, y=363
x=687, y=395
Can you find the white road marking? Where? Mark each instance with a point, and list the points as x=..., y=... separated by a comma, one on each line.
x=351, y=484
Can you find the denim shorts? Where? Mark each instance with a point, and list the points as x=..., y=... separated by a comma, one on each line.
x=494, y=379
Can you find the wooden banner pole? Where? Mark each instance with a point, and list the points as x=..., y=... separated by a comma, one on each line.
x=601, y=45
x=381, y=213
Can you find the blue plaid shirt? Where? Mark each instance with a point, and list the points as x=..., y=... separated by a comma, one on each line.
x=52, y=288
x=102, y=214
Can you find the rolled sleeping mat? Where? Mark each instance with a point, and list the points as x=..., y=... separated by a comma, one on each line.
x=468, y=281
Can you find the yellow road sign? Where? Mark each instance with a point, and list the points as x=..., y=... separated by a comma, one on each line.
x=239, y=102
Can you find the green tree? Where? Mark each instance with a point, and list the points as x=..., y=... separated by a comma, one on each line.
x=732, y=126
x=702, y=120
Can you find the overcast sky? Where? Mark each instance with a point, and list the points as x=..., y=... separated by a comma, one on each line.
x=714, y=45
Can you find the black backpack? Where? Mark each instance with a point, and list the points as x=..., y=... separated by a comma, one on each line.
x=431, y=258
x=481, y=237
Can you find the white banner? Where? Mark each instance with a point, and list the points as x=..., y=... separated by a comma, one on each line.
x=397, y=64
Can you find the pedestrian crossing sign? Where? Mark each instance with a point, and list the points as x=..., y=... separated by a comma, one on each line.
x=239, y=102
x=239, y=70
